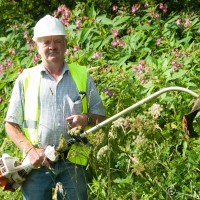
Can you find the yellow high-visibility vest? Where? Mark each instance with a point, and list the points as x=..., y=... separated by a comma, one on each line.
x=31, y=86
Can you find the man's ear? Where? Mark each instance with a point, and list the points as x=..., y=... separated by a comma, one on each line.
x=66, y=42
x=38, y=47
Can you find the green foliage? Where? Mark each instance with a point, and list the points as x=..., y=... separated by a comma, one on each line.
x=130, y=54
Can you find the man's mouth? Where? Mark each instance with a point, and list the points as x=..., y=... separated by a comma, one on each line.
x=53, y=53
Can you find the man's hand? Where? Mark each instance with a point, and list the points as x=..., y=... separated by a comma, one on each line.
x=77, y=120
x=37, y=157
x=82, y=120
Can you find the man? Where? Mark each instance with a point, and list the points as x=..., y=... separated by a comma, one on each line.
x=46, y=103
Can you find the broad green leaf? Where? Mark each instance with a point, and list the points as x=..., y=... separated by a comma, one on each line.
x=84, y=34
x=177, y=75
x=3, y=39
x=120, y=20
x=91, y=12
x=171, y=20
x=122, y=60
x=104, y=20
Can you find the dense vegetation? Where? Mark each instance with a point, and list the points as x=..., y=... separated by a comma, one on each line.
x=131, y=52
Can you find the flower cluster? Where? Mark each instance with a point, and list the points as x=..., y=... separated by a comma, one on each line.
x=134, y=8
x=108, y=92
x=163, y=7
x=32, y=48
x=5, y=66
x=117, y=42
x=141, y=70
x=64, y=14
x=102, y=152
x=78, y=23
x=30, y=42
x=176, y=62
x=184, y=23
x=97, y=55
x=158, y=41
x=155, y=110
x=115, y=8
x=36, y=58
x=12, y=51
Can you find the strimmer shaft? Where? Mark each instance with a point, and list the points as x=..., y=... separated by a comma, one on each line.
x=136, y=105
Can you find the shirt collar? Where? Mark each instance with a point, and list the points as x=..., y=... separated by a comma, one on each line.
x=65, y=68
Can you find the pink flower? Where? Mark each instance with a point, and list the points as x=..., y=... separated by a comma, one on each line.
x=161, y=6
x=9, y=63
x=174, y=63
x=12, y=50
x=62, y=11
x=65, y=22
x=25, y=35
x=165, y=10
x=158, y=41
x=97, y=55
x=141, y=64
x=1, y=68
x=140, y=70
x=78, y=23
x=121, y=44
x=64, y=14
x=31, y=47
x=115, y=8
x=36, y=58
x=135, y=8
x=19, y=71
x=85, y=17
x=1, y=99
x=156, y=15
x=61, y=8
x=143, y=81
x=108, y=92
x=76, y=47
x=67, y=51
x=114, y=43
x=148, y=23
x=178, y=22
x=115, y=33
x=134, y=68
x=187, y=22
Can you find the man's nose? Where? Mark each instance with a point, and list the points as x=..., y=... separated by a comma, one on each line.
x=52, y=45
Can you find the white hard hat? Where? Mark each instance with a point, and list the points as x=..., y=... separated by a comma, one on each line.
x=47, y=26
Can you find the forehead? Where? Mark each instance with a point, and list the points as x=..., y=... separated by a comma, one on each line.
x=52, y=37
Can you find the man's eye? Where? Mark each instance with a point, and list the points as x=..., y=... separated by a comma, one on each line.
x=46, y=42
x=58, y=41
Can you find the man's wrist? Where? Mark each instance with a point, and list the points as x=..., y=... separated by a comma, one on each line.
x=89, y=118
x=28, y=150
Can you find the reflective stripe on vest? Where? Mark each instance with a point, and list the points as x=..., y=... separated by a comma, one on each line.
x=31, y=86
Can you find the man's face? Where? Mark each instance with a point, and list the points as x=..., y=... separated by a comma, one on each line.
x=52, y=48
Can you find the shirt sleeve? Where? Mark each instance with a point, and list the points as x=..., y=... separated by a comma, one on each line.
x=95, y=105
x=15, y=108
